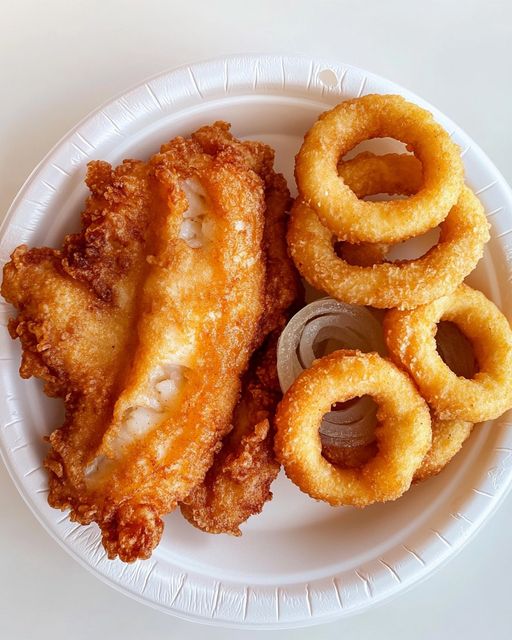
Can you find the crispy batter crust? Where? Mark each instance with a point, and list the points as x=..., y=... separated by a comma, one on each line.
x=93, y=316
x=410, y=337
x=448, y=436
x=238, y=483
x=76, y=321
x=403, y=432
x=404, y=284
x=376, y=116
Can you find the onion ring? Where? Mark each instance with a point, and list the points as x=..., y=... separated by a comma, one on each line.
x=448, y=436
x=365, y=254
x=399, y=174
x=410, y=336
x=403, y=284
x=403, y=433
x=376, y=116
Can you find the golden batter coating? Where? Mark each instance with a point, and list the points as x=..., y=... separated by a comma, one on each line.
x=404, y=284
x=338, y=131
x=448, y=436
x=77, y=316
x=238, y=483
x=144, y=323
x=403, y=429
x=410, y=337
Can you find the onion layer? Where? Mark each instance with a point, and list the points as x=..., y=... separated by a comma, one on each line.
x=318, y=329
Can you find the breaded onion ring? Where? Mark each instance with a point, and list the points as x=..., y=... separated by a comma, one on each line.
x=365, y=254
x=404, y=284
x=410, y=336
x=393, y=173
x=397, y=173
x=403, y=432
x=376, y=116
x=448, y=436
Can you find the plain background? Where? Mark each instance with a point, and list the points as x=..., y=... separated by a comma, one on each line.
x=60, y=59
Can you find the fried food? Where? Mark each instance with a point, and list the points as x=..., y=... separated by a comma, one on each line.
x=144, y=323
x=77, y=317
x=403, y=284
x=158, y=325
x=238, y=483
x=375, y=116
x=398, y=174
x=448, y=436
x=365, y=254
x=403, y=432
x=349, y=441
x=283, y=288
x=410, y=336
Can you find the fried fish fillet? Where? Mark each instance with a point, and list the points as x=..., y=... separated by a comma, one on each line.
x=77, y=318
x=144, y=324
x=238, y=483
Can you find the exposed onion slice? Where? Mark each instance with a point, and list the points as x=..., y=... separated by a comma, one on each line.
x=350, y=413
x=316, y=330
x=327, y=328
x=352, y=427
x=456, y=350
x=344, y=318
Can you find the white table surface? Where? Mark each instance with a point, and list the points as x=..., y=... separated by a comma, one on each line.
x=60, y=59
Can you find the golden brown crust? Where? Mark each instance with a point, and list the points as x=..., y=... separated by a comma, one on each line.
x=76, y=319
x=393, y=173
x=339, y=130
x=89, y=317
x=238, y=483
x=112, y=224
x=217, y=139
x=283, y=289
x=404, y=284
x=403, y=429
x=361, y=255
x=448, y=436
x=410, y=337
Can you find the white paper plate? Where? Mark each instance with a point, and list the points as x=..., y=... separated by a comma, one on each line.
x=300, y=562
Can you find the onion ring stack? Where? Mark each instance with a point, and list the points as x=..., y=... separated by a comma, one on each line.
x=371, y=281
x=376, y=116
x=439, y=381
